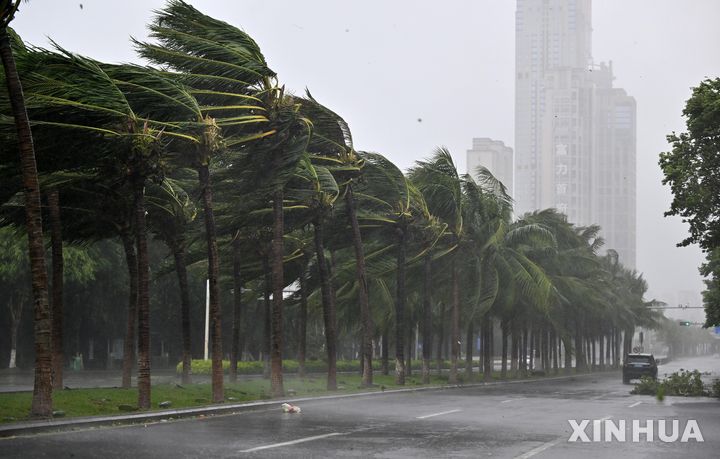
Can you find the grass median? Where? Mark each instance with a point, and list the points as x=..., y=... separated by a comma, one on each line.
x=15, y=406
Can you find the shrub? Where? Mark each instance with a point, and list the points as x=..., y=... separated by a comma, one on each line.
x=647, y=386
x=683, y=382
x=715, y=388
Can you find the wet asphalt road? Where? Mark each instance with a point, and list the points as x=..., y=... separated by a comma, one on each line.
x=512, y=420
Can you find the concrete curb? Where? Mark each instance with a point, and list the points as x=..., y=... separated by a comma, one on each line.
x=70, y=424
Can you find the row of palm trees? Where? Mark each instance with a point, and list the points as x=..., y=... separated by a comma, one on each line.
x=209, y=135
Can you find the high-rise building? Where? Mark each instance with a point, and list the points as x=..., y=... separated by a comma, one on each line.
x=495, y=156
x=613, y=165
x=574, y=132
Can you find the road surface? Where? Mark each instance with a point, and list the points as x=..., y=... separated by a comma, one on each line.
x=507, y=421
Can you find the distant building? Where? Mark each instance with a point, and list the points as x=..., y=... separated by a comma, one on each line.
x=574, y=132
x=614, y=171
x=495, y=156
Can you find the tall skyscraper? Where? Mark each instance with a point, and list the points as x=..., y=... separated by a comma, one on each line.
x=574, y=132
x=495, y=156
x=614, y=171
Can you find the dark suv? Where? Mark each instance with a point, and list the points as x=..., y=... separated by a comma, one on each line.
x=638, y=365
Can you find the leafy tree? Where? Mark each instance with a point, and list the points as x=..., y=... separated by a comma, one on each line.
x=690, y=169
x=711, y=295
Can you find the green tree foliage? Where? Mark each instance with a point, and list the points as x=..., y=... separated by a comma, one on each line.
x=691, y=170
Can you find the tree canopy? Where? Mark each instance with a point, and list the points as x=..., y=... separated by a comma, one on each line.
x=692, y=170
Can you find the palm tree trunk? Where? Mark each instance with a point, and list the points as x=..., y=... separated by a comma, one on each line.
x=524, y=352
x=15, y=315
x=454, y=324
x=427, y=319
x=532, y=349
x=143, y=295
x=276, y=339
x=441, y=340
x=385, y=357
x=608, y=354
x=555, y=350
x=302, y=328
x=488, y=354
x=213, y=278
x=181, y=272
x=568, y=350
x=627, y=341
x=409, y=349
x=129, y=344
x=363, y=298
x=514, y=348
x=328, y=302
x=267, y=288
x=237, y=307
x=400, y=311
x=53, y=198
x=469, y=351
x=42, y=390
x=504, y=351
x=579, y=358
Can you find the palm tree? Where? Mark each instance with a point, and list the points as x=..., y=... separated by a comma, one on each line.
x=172, y=213
x=238, y=91
x=332, y=147
x=42, y=391
x=109, y=105
x=315, y=192
x=438, y=180
x=390, y=201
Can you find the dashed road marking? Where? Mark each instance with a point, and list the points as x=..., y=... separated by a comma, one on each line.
x=293, y=442
x=513, y=399
x=437, y=414
x=634, y=405
x=539, y=449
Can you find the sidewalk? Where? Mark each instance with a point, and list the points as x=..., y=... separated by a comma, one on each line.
x=22, y=380
x=69, y=424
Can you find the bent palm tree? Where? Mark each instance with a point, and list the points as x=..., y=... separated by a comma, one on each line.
x=438, y=180
x=238, y=92
x=42, y=390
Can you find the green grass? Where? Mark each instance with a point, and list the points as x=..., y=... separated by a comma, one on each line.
x=14, y=407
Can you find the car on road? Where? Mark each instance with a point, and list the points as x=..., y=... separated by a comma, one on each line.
x=638, y=365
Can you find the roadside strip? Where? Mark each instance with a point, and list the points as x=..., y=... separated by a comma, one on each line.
x=68, y=424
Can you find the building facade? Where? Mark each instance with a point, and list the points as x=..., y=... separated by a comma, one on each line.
x=574, y=132
x=495, y=156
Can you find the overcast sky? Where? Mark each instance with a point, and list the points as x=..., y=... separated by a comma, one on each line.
x=411, y=75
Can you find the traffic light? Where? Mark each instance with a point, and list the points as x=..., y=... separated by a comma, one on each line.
x=684, y=323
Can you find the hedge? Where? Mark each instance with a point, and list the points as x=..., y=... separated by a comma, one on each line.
x=204, y=367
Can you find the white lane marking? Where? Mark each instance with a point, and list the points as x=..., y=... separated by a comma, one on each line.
x=293, y=442
x=513, y=399
x=539, y=449
x=437, y=414
x=634, y=405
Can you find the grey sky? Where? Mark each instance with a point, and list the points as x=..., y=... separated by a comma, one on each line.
x=385, y=65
